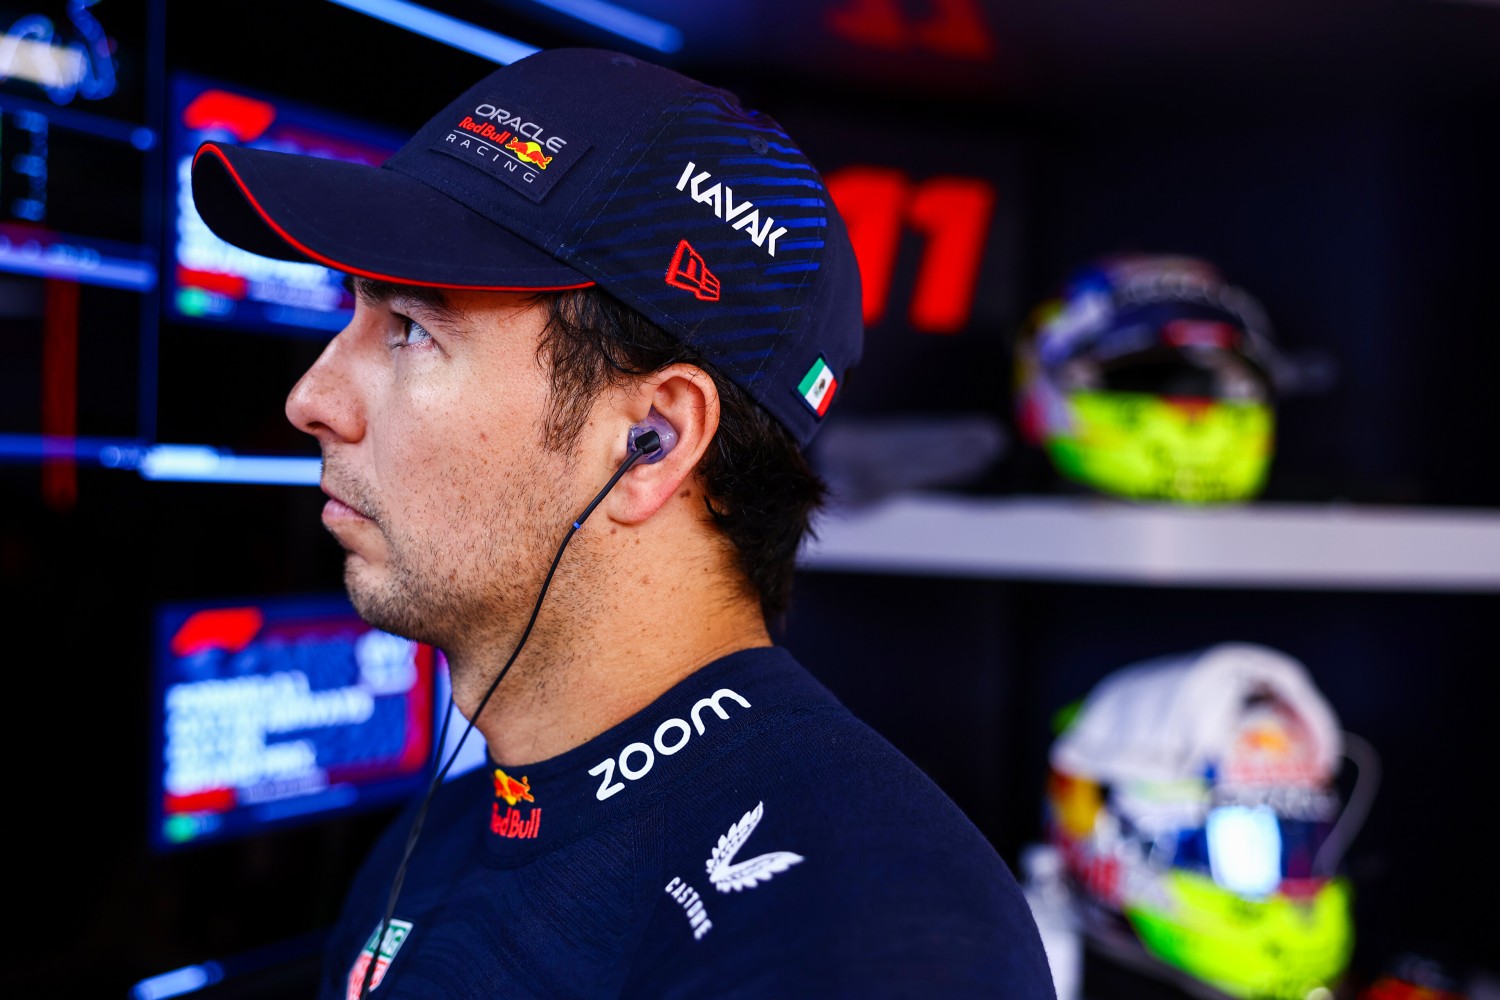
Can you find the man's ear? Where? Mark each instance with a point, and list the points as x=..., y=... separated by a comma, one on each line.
x=686, y=397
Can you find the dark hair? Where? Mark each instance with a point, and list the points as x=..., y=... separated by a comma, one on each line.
x=761, y=492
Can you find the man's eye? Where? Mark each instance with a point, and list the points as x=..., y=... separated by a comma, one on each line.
x=412, y=333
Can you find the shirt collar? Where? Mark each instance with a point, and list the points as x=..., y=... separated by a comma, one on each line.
x=537, y=807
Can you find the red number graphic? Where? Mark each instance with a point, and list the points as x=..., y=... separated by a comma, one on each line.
x=872, y=201
x=954, y=28
x=954, y=215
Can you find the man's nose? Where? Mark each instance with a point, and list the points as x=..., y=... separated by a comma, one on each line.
x=325, y=402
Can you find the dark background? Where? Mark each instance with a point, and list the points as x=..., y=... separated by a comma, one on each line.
x=1337, y=159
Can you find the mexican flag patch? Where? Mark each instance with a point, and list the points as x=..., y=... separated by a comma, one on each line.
x=818, y=386
x=395, y=937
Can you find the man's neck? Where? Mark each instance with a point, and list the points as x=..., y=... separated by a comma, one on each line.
x=573, y=682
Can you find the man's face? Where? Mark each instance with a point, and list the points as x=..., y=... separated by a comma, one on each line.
x=428, y=411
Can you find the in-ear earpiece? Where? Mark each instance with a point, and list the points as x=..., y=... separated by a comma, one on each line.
x=666, y=435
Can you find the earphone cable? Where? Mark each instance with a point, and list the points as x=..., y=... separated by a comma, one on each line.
x=647, y=444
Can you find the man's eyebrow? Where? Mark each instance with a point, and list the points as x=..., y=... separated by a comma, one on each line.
x=382, y=293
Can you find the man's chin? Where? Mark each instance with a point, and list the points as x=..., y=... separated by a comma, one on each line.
x=378, y=603
x=378, y=614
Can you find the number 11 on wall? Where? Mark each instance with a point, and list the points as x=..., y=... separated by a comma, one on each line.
x=952, y=213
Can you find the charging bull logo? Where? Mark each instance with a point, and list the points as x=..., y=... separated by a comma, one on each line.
x=513, y=823
x=528, y=152
x=511, y=790
x=1273, y=747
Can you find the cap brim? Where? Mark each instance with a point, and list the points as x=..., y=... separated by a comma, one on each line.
x=365, y=221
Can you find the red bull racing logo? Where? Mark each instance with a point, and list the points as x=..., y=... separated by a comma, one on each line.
x=511, y=790
x=513, y=823
x=511, y=146
x=517, y=148
x=1273, y=747
x=483, y=129
x=528, y=152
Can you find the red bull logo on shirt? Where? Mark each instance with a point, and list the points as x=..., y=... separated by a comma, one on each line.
x=511, y=790
x=513, y=823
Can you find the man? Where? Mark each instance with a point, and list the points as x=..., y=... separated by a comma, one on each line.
x=591, y=270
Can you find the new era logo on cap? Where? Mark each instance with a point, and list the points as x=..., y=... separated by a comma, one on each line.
x=688, y=271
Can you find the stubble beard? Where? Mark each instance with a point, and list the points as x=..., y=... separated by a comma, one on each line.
x=461, y=593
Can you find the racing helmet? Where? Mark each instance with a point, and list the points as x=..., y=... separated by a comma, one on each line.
x=1150, y=378
x=1193, y=801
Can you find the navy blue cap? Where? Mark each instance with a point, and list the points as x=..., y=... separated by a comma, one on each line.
x=578, y=167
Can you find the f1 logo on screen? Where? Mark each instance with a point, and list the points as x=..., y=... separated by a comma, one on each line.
x=953, y=213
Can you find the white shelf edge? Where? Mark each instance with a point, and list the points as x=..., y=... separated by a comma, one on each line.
x=1266, y=545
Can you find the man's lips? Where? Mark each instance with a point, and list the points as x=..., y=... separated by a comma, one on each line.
x=337, y=510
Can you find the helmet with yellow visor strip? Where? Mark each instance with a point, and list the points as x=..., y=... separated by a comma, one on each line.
x=1150, y=378
x=1194, y=803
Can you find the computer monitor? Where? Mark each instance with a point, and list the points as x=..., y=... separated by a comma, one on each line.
x=75, y=142
x=209, y=281
x=271, y=712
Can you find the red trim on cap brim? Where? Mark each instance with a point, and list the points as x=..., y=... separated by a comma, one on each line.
x=360, y=272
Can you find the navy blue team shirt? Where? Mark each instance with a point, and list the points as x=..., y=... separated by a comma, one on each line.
x=742, y=837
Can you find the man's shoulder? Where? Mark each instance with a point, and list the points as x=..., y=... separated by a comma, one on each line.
x=835, y=776
x=810, y=851
x=816, y=791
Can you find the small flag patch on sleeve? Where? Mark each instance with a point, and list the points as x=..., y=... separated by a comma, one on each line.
x=818, y=386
